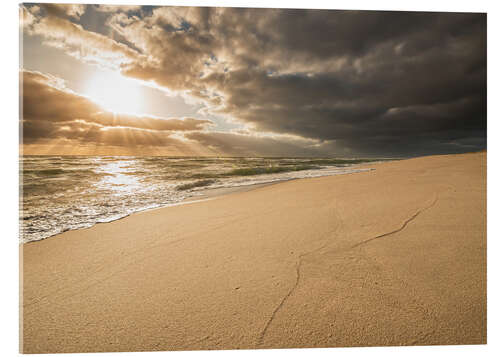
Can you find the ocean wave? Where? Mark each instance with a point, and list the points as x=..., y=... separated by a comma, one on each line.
x=64, y=193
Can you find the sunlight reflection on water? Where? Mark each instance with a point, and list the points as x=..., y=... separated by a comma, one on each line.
x=119, y=177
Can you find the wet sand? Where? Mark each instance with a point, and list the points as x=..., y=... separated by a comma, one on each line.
x=392, y=256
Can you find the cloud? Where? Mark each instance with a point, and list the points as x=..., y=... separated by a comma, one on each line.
x=327, y=75
x=54, y=116
x=372, y=82
x=65, y=10
x=117, y=8
x=54, y=23
x=50, y=110
x=255, y=144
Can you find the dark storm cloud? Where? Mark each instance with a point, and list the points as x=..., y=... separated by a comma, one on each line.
x=375, y=83
x=386, y=82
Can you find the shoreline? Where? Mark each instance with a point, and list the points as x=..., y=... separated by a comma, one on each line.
x=206, y=194
x=393, y=257
x=189, y=200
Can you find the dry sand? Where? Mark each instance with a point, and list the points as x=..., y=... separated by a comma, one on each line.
x=394, y=256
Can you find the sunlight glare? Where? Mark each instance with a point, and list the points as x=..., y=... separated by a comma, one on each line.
x=115, y=93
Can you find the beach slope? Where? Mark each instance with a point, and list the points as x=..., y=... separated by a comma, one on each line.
x=392, y=256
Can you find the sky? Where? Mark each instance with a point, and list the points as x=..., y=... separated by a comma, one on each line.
x=193, y=81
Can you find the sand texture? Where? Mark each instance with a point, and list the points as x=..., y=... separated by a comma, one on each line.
x=393, y=256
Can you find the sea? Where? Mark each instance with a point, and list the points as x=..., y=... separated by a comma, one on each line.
x=61, y=193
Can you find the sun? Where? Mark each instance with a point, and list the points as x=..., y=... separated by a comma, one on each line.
x=115, y=93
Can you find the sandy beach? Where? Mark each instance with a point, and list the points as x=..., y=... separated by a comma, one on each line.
x=392, y=256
